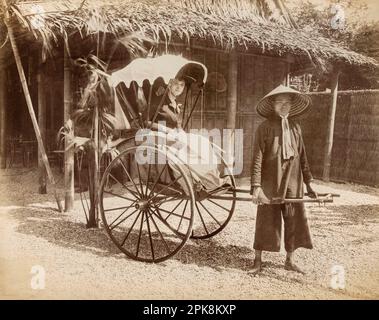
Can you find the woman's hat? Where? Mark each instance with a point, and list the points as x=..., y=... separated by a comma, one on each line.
x=300, y=102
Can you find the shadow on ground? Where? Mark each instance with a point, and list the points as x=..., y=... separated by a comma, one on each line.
x=58, y=230
x=345, y=215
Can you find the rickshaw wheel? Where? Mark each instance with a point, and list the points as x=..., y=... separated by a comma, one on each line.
x=212, y=216
x=147, y=217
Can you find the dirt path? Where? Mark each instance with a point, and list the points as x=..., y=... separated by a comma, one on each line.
x=84, y=264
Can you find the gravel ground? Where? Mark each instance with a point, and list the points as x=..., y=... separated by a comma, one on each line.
x=83, y=263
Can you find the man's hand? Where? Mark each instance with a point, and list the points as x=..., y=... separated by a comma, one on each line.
x=258, y=196
x=311, y=192
x=255, y=195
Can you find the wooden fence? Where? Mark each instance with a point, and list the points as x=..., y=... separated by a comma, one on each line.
x=355, y=156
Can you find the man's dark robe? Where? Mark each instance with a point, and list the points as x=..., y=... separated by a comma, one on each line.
x=280, y=179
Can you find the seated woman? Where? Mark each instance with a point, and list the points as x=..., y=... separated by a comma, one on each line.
x=169, y=112
x=194, y=150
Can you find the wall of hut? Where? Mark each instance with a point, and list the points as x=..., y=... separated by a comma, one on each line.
x=356, y=136
x=257, y=75
x=18, y=123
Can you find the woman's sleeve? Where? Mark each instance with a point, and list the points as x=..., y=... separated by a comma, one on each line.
x=170, y=117
x=306, y=170
x=256, y=165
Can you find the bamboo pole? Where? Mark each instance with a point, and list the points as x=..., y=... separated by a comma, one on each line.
x=231, y=113
x=69, y=153
x=287, y=77
x=94, y=170
x=42, y=125
x=30, y=106
x=232, y=91
x=97, y=162
x=3, y=90
x=330, y=127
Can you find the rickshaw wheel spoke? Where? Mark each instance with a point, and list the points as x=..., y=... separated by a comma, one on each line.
x=118, y=195
x=140, y=233
x=148, y=177
x=217, y=214
x=116, y=180
x=157, y=214
x=125, y=208
x=165, y=187
x=117, y=208
x=123, y=220
x=180, y=222
x=172, y=213
x=207, y=211
x=181, y=201
x=140, y=180
x=217, y=204
x=151, y=241
x=159, y=231
x=131, y=228
x=128, y=175
x=156, y=180
x=201, y=217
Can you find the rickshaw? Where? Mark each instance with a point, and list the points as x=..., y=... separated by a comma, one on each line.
x=147, y=217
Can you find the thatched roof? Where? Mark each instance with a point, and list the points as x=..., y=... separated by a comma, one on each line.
x=263, y=24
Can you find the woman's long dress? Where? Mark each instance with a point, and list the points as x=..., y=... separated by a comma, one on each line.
x=193, y=152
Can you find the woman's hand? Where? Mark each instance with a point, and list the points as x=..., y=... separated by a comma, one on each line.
x=311, y=192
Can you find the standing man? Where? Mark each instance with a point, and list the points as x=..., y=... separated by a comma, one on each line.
x=279, y=170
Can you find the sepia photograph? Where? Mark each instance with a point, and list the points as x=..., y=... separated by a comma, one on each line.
x=189, y=150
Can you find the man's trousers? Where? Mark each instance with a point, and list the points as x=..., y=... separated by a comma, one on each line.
x=269, y=227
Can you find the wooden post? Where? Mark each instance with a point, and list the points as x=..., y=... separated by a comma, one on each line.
x=93, y=165
x=3, y=90
x=69, y=154
x=232, y=91
x=286, y=78
x=330, y=127
x=30, y=105
x=42, y=125
x=231, y=119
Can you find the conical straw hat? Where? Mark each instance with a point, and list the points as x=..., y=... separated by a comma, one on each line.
x=300, y=102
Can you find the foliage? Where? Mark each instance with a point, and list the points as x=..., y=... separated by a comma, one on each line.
x=262, y=24
x=356, y=33
x=309, y=17
x=96, y=97
x=66, y=133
